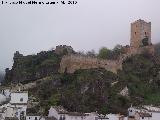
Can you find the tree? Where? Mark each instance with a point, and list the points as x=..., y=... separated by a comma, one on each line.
x=91, y=53
x=145, y=41
x=104, y=53
x=118, y=47
x=117, y=50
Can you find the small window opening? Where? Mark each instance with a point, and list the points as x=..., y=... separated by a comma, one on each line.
x=145, y=33
x=21, y=99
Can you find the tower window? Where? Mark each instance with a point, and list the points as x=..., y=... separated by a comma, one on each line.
x=135, y=33
x=145, y=33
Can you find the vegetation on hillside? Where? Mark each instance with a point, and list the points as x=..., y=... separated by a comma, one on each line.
x=90, y=90
x=93, y=90
x=33, y=67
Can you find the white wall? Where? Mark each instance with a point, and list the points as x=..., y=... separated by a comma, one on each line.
x=146, y=118
x=73, y=117
x=19, y=98
x=9, y=112
x=113, y=116
x=2, y=98
x=53, y=113
x=33, y=117
x=90, y=116
x=155, y=116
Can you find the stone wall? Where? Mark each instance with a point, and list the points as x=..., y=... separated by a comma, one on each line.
x=71, y=63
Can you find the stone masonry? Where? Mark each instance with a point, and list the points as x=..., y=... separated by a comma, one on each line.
x=71, y=63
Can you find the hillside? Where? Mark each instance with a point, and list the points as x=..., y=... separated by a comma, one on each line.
x=32, y=67
x=87, y=90
x=98, y=89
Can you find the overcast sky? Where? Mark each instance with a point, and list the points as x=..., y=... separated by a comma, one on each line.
x=90, y=24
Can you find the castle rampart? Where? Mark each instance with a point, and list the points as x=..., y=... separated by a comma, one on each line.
x=71, y=63
x=140, y=43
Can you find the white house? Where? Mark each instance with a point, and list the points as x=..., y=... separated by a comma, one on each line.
x=16, y=104
x=61, y=114
x=138, y=114
x=4, y=96
x=116, y=117
x=30, y=117
x=19, y=97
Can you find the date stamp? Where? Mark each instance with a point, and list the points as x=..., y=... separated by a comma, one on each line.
x=69, y=2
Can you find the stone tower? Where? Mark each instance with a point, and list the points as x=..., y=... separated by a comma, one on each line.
x=140, y=33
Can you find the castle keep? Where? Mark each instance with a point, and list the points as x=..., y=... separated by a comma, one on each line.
x=140, y=33
x=140, y=43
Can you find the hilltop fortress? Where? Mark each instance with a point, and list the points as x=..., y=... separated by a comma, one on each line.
x=140, y=43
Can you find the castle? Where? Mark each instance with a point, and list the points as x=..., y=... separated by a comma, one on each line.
x=140, y=42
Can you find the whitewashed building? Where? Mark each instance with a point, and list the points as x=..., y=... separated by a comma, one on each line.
x=138, y=114
x=61, y=114
x=4, y=96
x=116, y=117
x=16, y=104
x=33, y=117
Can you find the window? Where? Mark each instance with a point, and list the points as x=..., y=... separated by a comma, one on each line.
x=36, y=118
x=135, y=33
x=145, y=33
x=21, y=99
